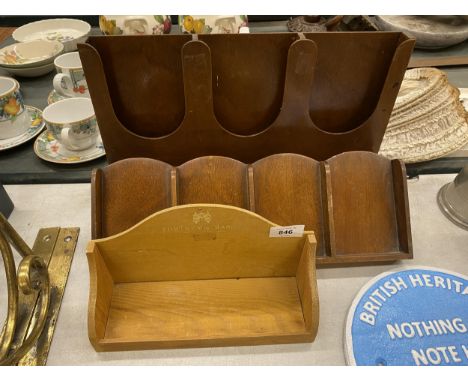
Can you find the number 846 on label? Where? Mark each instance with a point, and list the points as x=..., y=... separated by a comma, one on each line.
x=289, y=231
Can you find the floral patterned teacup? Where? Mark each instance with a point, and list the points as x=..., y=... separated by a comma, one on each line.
x=72, y=123
x=70, y=79
x=12, y=110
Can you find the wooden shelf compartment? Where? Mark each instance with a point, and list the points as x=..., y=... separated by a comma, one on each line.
x=201, y=275
x=356, y=203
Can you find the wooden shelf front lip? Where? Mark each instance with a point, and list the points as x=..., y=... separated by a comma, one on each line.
x=111, y=345
x=204, y=313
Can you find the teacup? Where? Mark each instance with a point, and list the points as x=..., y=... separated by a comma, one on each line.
x=72, y=122
x=12, y=111
x=70, y=79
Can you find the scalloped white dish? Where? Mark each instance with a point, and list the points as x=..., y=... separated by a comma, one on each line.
x=69, y=32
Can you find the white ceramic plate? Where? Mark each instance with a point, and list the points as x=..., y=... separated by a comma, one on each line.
x=69, y=32
x=30, y=54
x=36, y=124
x=31, y=72
x=48, y=148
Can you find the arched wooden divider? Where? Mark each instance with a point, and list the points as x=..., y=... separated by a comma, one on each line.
x=356, y=202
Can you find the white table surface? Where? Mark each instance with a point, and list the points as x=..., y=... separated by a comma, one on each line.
x=436, y=242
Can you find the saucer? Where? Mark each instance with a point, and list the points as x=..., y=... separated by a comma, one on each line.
x=36, y=124
x=48, y=148
x=35, y=71
x=30, y=54
x=54, y=97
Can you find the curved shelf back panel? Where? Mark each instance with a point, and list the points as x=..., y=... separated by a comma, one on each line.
x=176, y=98
x=145, y=80
x=349, y=78
x=248, y=79
x=287, y=189
x=213, y=180
x=143, y=186
x=200, y=242
x=356, y=202
x=363, y=187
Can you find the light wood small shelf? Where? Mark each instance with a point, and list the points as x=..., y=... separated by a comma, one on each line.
x=201, y=275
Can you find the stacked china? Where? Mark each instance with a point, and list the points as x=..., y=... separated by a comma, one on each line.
x=30, y=59
x=72, y=134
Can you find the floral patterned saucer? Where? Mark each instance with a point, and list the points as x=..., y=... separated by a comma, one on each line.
x=48, y=148
x=36, y=124
x=54, y=97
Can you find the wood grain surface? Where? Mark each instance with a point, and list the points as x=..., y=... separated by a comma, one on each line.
x=101, y=287
x=288, y=191
x=356, y=202
x=146, y=189
x=421, y=62
x=177, y=310
x=362, y=204
x=243, y=96
x=204, y=180
x=204, y=242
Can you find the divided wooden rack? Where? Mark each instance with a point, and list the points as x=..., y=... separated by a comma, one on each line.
x=170, y=270
x=244, y=96
x=356, y=203
x=201, y=275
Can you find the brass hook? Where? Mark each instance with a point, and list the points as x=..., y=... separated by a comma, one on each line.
x=32, y=277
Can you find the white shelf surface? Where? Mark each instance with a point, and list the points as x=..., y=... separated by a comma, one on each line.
x=436, y=243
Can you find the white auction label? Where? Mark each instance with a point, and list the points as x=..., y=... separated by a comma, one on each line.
x=289, y=231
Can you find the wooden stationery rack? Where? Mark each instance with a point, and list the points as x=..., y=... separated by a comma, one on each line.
x=201, y=275
x=355, y=202
x=246, y=96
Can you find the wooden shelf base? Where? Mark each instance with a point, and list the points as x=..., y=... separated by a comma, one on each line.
x=211, y=312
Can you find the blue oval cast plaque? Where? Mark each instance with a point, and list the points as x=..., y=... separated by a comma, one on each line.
x=413, y=316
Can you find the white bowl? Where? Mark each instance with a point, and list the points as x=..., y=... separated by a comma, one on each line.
x=69, y=32
x=28, y=54
x=430, y=32
x=34, y=71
